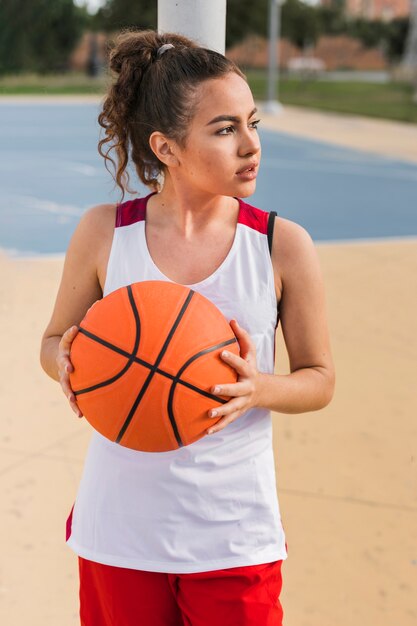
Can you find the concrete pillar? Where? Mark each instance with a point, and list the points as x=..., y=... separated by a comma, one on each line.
x=201, y=20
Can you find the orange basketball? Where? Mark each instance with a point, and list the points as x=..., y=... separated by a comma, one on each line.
x=145, y=359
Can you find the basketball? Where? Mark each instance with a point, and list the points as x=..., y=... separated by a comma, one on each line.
x=145, y=359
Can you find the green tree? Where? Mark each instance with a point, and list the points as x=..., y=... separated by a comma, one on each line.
x=300, y=23
x=245, y=17
x=38, y=35
x=370, y=32
x=118, y=14
x=396, y=37
x=331, y=19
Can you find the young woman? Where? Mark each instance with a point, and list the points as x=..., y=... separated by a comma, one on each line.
x=191, y=537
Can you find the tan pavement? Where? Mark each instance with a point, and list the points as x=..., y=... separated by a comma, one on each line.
x=347, y=480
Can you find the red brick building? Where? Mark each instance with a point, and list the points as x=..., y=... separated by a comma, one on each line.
x=376, y=9
x=82, y=52
x=336, y=51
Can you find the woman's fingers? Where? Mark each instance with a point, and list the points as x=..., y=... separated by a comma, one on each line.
x=223, y=422
x=243, y=391
x=236, y=404
x=65, y=367
x=66, y=388
x=62, y=359
x=231, y=389
x=246, y=343
x=64, y=348
x=235, y=361
x=67, y=339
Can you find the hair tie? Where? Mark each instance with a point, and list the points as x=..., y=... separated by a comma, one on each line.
x=164, y=48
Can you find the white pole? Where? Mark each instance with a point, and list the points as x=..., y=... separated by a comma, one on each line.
x=201, y=20
x=272, y=105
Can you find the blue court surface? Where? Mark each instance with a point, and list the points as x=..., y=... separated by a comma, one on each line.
x=51, y=173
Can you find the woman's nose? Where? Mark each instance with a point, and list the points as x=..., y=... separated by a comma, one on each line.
x=250, y=143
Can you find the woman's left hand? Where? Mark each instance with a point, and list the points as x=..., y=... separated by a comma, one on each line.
x=245, y=392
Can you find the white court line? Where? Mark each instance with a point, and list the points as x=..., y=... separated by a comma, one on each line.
x=81, y=168
x=39, y=204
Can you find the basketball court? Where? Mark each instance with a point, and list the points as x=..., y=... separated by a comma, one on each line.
x=52, y=173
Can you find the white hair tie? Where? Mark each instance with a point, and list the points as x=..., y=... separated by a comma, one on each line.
x=164, y=48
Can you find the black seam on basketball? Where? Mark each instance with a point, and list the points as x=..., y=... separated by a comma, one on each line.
x=136, y=359
x=205, y=351
x=133, y=358
x=172, y=416
x=139, y=361
x=130, y=356
x=177, y=378
x=110, y=346
x=189, y=385
x=200, y=391
x=104, y=343
x=105, y=383
x=152, y=373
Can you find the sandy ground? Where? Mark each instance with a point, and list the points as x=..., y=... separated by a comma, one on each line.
x=347, y=480
x=346, y=474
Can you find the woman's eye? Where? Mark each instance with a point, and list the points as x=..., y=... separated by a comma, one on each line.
x=228, y=129
x=222, y=131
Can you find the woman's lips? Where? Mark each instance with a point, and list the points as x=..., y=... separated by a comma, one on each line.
x=248, y=174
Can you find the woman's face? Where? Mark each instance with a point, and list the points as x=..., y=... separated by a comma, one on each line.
x=222, y=140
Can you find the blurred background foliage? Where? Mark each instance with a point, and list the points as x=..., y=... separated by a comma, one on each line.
x=302, y=23
x=57, y=47
x=38, y=35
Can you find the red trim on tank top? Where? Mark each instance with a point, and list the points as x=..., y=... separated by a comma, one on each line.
x=68, y=529
x=133, y=211
x=255, y=218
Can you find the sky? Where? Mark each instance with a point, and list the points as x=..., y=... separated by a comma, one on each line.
x=92, y=5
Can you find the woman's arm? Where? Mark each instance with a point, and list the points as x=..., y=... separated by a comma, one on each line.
x=298, y=278
x=79, y=289
x=300, y=290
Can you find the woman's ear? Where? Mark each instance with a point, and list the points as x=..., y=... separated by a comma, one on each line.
x=163, y=148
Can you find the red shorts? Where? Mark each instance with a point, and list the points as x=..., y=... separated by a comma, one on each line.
x=238, y=596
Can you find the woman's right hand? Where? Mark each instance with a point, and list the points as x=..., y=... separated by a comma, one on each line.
x=65, y=367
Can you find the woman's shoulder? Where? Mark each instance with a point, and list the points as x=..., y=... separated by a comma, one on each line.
x=99, y=216
x=96, y=224
x=93, y=234
x=289, y=236
x=89, y=248
x=292, y=249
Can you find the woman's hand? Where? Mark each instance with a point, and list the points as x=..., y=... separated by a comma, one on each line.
x=65, y=366
x=245, y=391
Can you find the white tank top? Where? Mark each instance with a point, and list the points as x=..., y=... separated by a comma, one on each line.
x=212, y=504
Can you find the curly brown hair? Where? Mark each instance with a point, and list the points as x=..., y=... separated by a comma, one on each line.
x=152, y=93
